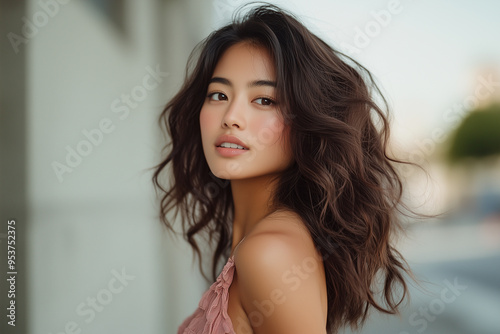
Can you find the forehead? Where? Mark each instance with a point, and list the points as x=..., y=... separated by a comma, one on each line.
x=245, y=61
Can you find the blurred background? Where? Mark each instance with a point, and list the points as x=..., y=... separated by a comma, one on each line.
x=82, y=85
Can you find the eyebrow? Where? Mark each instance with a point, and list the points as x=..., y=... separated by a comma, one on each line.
x=255, y=83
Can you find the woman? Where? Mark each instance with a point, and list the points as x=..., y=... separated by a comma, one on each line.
x=278, y=155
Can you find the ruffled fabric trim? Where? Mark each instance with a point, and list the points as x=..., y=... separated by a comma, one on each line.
x=211, y=316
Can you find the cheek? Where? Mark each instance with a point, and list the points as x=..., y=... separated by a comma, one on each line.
x=207, y=121
x=269, y=131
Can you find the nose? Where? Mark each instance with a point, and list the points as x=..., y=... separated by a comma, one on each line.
x=234, y=116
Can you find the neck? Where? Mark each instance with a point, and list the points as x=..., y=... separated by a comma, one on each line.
x=252, y=202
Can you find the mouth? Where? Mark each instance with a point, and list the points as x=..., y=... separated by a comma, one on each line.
x=230, y=142
x=232, y=145
x=227, y=147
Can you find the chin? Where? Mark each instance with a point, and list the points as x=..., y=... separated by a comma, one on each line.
x=229, y=171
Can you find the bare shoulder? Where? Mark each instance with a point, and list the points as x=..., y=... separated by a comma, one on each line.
x=278, y=266
x=279, y=236
x=282, y=234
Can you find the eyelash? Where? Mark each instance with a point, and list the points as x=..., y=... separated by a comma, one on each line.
x=272, y=102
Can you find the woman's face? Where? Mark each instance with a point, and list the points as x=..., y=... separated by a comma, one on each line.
x=240, y=110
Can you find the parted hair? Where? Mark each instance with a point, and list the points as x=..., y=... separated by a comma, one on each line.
x=342, y=181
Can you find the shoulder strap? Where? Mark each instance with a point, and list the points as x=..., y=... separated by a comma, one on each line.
x=235, y=248
x=239, y=243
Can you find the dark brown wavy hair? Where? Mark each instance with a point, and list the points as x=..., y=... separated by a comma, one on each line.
x=342, y=182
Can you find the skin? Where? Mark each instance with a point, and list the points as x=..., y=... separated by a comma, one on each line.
x=279, y=283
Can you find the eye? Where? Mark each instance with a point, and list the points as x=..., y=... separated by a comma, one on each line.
x=265, y=101
x=217, y=96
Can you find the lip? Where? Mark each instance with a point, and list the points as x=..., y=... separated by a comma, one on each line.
x=230, y=139
x=230, y=152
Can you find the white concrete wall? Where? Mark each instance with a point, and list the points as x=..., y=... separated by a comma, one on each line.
x=91, y=224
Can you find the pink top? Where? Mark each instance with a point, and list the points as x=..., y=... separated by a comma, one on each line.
x=211, y=315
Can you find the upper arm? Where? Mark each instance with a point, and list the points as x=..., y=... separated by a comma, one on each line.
x=278, y=284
